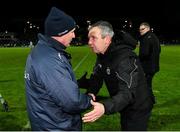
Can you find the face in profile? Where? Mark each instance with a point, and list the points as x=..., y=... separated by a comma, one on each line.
x=96, y=42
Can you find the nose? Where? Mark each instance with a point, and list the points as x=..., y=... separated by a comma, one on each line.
x=89, y=42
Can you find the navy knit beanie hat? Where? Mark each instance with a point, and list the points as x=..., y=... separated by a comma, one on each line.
x=58, y=23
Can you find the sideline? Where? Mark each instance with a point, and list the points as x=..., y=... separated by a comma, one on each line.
x=83, y=59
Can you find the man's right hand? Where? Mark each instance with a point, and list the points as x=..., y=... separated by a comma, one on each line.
x=97, y=112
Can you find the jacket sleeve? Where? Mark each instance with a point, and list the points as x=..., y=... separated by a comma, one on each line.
x=96, y=80
x=127, y=81
x=64, y=91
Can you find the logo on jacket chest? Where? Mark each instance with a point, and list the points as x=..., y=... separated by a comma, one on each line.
x=108, y=71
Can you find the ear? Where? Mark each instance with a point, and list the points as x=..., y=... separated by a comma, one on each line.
x=108, y=40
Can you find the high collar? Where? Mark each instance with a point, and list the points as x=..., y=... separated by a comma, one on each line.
x=148, y=32
x=114, y=50
x=54, y=44
x=109, y=52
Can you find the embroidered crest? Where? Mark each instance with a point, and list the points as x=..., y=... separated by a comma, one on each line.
x=108, y=71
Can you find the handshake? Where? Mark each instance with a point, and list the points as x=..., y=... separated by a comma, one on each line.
x=98, y=108
x=83, y=82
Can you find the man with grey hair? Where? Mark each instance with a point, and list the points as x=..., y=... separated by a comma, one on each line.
x=118, y=66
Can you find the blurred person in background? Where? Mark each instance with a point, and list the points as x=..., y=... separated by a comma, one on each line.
x=149, y=53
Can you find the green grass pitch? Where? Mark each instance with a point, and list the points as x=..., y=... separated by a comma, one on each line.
x=166, y=87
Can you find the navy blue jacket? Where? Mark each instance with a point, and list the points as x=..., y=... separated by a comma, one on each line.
x=54, y=101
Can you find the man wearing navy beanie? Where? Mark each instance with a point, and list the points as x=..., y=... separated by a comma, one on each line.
x=58, y=23
x=54, y=101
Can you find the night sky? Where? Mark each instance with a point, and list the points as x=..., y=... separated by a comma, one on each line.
x=164, y=17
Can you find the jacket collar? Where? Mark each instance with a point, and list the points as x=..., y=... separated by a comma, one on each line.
x=54, y=44
x=51, y=42
x=113, y=50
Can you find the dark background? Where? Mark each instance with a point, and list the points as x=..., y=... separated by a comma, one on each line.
x=163, y=16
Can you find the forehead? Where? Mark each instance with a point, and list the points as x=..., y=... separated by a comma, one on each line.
x=142, y=26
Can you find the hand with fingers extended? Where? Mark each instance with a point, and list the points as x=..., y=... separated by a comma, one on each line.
x=83, y=82
x=96, y=113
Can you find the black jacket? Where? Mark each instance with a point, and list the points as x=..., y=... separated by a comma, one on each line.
x=149, y=52
x=123, y=75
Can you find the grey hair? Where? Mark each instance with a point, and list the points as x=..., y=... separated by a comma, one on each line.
x=105, y=27
x=145, y=24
